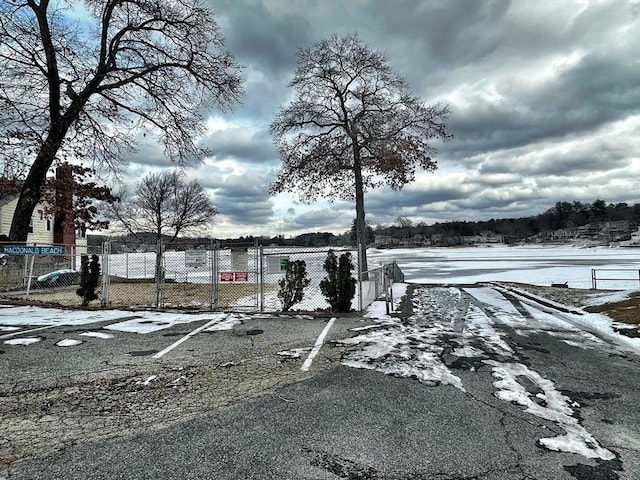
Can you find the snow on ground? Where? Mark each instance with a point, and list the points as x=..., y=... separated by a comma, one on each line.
x=104, y=336
x=573, y=319
x=40, y=316
x=414, y=348
x=23, y=341
x=378, y=309
x=447, y=322
x=13, y=318
x=550, y=405
x=154, y=321
x=295, y=352
x=68, y=342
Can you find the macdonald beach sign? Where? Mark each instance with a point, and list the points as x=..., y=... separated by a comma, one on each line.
x=33, y=249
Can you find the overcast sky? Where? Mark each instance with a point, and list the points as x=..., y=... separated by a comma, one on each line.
x=544, y=98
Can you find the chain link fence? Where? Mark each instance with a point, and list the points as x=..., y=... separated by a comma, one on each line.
x=204, y=276
x=41, y=273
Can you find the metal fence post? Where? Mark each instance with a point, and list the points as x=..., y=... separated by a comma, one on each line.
x=261, y=275
x=256, y=272
x=106, y=250
x=159, y=274
x=392, y=276
x=211, y=273
x=359, y=277
x=33, y=257
x=215, y=274
x=385, y=287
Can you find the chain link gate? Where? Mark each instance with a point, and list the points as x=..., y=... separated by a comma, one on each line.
x=203, y=276
x=208, y=275
x=237, y=280
x=275, y=262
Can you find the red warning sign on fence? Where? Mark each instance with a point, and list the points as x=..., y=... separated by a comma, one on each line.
x=241, y=276
x=234, y=276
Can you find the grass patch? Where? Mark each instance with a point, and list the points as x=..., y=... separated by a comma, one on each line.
x=625, y=311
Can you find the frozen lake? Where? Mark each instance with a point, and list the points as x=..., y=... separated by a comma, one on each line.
x=538, y=265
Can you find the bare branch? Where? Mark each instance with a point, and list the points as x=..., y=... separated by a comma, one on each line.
x=352, y=125
x=164, y=204
x=157, y=65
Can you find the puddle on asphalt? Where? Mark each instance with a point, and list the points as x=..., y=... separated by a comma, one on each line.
x=142, y=353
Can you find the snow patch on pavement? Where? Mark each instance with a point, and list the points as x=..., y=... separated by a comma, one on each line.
x=147, y=322
x=446, y=323
x=23, y=341
x=9, y=329
x=414, y=348
x=549, y=404
x=40, y=316
x=577, y=320
x=295, y=352
x=68, y=342
x=133, y=322
x=231, y=320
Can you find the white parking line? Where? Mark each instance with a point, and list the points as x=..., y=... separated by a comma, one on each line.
x=161, y=353
x=316, y=348
x=20, y=332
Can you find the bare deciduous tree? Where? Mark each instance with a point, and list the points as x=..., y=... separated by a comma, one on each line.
x=164, y=204
x=352, y=125
x=83, y=83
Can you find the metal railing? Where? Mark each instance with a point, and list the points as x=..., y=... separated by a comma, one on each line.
x=378, y=285
x=595, y=279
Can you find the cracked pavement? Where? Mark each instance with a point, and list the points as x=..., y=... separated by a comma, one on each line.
x=227, y=406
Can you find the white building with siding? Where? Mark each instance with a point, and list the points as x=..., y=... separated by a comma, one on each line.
x=41, y=227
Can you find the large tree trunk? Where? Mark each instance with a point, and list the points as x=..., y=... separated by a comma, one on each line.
x=361, y=229
x=30, y=193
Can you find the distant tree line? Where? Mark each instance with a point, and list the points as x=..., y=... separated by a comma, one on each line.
x=563, y=215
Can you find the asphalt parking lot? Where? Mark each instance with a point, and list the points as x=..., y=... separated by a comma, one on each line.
x=119, y=382
x=46, y=363
x=235, y=404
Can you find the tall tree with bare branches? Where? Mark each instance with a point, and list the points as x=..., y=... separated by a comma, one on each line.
x=353, y=125
x=163, y=204
x=80, y=79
